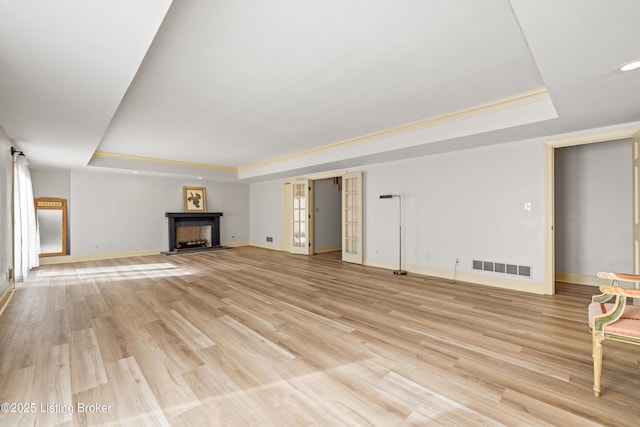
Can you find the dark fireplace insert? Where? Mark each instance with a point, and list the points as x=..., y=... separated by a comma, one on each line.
x=193, y=231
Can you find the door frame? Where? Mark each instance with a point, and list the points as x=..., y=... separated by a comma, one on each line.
x=307, y=184
x=549, y=186
x=287, y=209
x=356, y=217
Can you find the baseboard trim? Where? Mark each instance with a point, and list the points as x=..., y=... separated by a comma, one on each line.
x=580, y=279
x=327, y=249
x=236, y=244
x=461, y=276
x=282, y=249
x=6, y=297
x=265, y=246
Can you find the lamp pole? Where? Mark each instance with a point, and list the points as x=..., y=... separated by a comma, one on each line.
x=399, y=271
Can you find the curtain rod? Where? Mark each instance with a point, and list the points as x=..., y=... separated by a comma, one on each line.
x=14, y=151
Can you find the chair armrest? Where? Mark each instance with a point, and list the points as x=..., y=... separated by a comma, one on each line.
x=620, y=277
x=615, y=278
x=613, y=291
x=620, y=295
x=601, y=297
x=617, y=290
x=600, y=321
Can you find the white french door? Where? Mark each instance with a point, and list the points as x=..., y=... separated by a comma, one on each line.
x=636, y=207
x=352, y=217
x=300, y=219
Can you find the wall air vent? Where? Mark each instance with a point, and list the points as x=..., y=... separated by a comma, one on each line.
x=500, y=267
x=524, y=270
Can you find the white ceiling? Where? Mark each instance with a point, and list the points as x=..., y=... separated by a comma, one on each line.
x=253, y=90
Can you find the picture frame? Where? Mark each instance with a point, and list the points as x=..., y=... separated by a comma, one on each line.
x=195, y=199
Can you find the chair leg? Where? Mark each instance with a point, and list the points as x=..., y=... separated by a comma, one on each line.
x=597, y=361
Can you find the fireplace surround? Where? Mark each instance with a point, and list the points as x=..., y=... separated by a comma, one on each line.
x=209, y=223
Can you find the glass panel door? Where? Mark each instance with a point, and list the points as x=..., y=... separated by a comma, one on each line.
x=300, y=243
x=352, y=217
x=636, y=209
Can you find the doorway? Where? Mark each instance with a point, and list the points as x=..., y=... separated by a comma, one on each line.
x=327, y=215
x=299, y=216
x=550, y=238
x=593, y=207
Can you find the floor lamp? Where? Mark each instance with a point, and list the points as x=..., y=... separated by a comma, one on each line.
x=399, y=271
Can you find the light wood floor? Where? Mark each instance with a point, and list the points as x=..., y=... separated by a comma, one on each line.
x=256, y=337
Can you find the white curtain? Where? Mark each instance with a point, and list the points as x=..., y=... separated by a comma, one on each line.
x=27, y=240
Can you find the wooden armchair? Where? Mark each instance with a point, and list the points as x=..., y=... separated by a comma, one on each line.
x=611, y=318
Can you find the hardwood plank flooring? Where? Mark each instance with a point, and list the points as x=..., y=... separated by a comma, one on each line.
x=256, y=337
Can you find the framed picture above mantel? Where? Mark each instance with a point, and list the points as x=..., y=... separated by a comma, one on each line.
x=195, y=199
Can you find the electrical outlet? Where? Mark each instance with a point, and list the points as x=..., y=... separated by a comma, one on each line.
x=269, y=239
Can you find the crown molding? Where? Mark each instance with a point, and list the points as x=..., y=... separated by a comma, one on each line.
x=132, y=158
x=533, y=96
x=536, y=95
x=590, y=138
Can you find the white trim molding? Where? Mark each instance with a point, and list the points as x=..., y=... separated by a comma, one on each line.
x=462, y=276
x=5, y=298
x=578, y=138
x=581, y=279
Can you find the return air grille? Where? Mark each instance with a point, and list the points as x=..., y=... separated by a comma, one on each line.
x=500, y=267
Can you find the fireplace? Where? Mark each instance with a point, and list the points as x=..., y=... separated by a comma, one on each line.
x=193, y=236
x=193, y=231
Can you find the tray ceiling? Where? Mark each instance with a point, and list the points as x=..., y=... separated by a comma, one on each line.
x=230, y=90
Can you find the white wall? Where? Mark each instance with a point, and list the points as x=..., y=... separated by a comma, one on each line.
x=458, y=205
x=461, y=205
x=232, y=199
x=593, y=208
x=113, y=213
x=50, y=183
x=5, y=211
x=266, y=213
x=327, y=219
